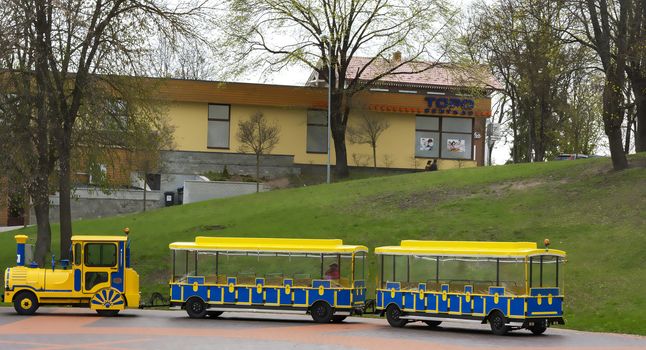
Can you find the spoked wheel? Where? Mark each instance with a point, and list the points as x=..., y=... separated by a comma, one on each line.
x=107, y=313
x=321, y=312
x=393, y=314
x=433, y=324
x=25, y=303
x=338, y=318
x=195, y=308
x=538, y=329
x=214, y=314
x=497, y=323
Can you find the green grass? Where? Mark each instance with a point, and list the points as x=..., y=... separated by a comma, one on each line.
x=593, y=213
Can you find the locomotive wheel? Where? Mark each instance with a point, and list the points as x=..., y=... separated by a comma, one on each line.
x=321, y=312
x=393, y=314
x=107, y=313
x=497, y=323
x=195, y=308
x=107, y=298
x=25, y=303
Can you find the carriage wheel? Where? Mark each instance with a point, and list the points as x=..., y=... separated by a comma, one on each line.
x=497, y=323
x=338, y=318
x=195, y=308
x=393, y=314
x=321, y=312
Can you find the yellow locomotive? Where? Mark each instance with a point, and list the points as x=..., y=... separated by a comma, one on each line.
x=98, y=276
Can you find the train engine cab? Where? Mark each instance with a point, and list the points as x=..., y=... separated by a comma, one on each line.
x=98, y=276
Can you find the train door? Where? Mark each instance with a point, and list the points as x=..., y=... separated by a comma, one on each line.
x=99, y=262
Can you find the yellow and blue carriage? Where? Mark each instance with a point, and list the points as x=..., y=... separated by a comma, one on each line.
x=98, y=276
x=322, y=277
x=508, y=285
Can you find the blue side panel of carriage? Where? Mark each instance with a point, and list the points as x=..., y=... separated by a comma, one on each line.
x=257, y=297
x=269, y=295
x=478, y=305
x=533, y=303
x=189, y=290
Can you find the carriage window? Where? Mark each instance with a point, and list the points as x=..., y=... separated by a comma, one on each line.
x=458, y=272
x=512, y=275
x=423, y=269
x=100, y=254
x=545, y=271
x=359, y=266
x=184, y=264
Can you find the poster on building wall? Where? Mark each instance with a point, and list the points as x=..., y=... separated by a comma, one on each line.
x=455, y=145
x=426, y=143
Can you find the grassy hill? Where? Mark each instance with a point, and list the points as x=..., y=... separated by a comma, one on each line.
x=593, y=213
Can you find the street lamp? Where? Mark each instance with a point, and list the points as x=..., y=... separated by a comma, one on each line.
x=326, y=40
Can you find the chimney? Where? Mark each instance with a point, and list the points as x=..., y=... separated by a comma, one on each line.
x=397, y=56
x=20, y=249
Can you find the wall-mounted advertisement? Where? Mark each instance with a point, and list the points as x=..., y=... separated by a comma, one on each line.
x=426, y=143
x=455, y=145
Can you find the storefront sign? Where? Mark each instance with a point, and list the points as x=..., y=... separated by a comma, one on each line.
x=449, y=102
x=449, y=105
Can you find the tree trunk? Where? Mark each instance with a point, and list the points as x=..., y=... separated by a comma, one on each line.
x=145, y=186
x=612, y=120
x=257, y=173
x=65, y=193
x=490, y=147
x=374, y=155
x=44, y=232
x=639, y=90
x=338, y=120
x=629, y=127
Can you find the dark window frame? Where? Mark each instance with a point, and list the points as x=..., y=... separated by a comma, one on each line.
x=441, y=132
x=77, y=254
x=86, y=251
x=315, y=124
x=221, y=120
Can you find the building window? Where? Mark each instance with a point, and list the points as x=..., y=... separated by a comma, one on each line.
x=449, y=138
x=316, y=131
x=219, y=122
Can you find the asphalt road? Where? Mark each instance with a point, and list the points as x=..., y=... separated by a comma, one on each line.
x=67, y=328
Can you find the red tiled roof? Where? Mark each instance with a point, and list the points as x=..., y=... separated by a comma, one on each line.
x=438, y=75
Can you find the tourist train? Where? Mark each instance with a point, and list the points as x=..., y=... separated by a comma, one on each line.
x=509, y=285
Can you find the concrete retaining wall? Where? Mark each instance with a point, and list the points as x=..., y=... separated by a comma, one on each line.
x=197, y=191
x=198, y=163
x=88, y=203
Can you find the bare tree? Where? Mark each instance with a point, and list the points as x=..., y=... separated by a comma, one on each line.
x=332, y=33
x=604, y=27
x=258, y=136
x=70, y=50
x=367, y=131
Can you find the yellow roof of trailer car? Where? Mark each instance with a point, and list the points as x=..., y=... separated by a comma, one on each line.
x=268, y=245
x=468, y=248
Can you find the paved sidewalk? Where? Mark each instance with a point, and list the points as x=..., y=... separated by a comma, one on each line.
x=9, y=228
x=69, y=328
